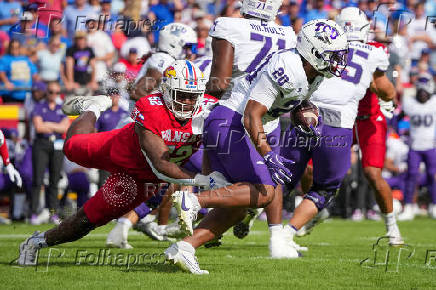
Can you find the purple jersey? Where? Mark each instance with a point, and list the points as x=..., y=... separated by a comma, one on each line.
x=42, y=110
x=109, y=120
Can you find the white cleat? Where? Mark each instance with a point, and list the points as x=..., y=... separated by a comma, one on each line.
x=75, y=105
x=280, y=246
x=408, y=213
x=117, y=238
x=307, y=228
x=395, y=238
x=182, y=254
x=29, y=250
x=187, y=207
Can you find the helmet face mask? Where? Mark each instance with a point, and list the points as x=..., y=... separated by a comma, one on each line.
x=183, y=86
x=324, y=45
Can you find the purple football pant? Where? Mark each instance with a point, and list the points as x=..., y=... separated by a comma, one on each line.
x=5, y=182
x=230, y=150
x=330, y=155
x=78, y=182
x=413, y=161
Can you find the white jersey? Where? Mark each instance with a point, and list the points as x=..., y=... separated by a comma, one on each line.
x=204, y=63
x=252, y=40
x=279, y=86
x=422, y=123
x=396, y=150
x=338, y=98
x=158, y=61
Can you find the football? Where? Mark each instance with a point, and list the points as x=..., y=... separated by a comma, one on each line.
x=305, y=114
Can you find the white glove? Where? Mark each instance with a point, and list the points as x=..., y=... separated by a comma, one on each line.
x=387, y=108
x=14, y=175
x=214, y=180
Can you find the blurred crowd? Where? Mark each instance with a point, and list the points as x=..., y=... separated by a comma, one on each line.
x=52, y=48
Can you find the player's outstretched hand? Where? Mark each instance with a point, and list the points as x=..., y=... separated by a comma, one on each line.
x=276, y=166
x=14, y=175
x=387, y=108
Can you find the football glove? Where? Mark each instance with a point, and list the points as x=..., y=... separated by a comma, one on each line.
x=387, y=108
x=280, y=174
x=14, y=175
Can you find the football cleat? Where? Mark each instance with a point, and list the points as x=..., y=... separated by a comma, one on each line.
x=117, y=238
x=29, y=250
x=42, y=218
x=150, y=229
x=182, y=254
x=432, y=210
x=242, y=229
x=395, y=238
x=281, y=248
x=187, y=207
x=75, y=105
x=215, y=243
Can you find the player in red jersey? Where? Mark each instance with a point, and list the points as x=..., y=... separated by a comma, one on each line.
x=370, y=132
x=139, y=156
x=13, y=174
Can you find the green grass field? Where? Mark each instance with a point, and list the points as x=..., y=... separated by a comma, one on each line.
x=336, y=249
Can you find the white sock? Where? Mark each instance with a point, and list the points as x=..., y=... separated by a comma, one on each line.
x=275, y=228
x=186, y=246
x=95, y=109
x=125, y=221
x=290, y=228
x=389, y=218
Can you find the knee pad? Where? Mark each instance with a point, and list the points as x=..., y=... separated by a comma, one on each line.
x=321, y=198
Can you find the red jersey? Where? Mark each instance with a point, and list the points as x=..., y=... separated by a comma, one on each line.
x=369, y=106
x=152, y=113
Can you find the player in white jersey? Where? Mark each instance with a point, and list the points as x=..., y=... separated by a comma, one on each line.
x=247, y=159
x=338, y=100
x=176, y=41
x=240, y=47
x=422, y=113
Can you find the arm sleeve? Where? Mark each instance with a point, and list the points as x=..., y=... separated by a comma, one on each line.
x=264, y=90
x=4, y=149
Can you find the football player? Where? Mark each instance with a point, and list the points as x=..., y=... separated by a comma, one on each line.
x=422, y=113
x=240, y=48
x=337, y=100
x=138, y=156
x=247, y=160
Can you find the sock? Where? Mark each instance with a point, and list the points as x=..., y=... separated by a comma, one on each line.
x=293, y=230
x=186, y=246
x=125, y=221
x=95, y=109
x=275, y=228
x=389, y=218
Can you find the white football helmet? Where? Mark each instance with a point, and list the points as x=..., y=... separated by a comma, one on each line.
x=324, y=45
x=355, y=24
x=174, y=38
x=183, y=81
x=263, y=9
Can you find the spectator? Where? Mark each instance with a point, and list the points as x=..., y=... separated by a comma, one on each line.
x=163, y=14
x=50, y=124
x=10, y=10
x=95, y=6
x=102, y=46
x=420, y=35
x=290, y=16
x=317, y=11
x=56, y=29
x=78, y=181
x=4, y=42
x=131, y=64
x=108, y=16
x=39, y=90
x=203, y=27
x=75, y=16
x=16, y=72
x=50, y=61
x=117, y=82
x=28, y=36
x=80, y=64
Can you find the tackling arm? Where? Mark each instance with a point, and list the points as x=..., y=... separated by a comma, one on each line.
x=382, y=86
x=221, y=70
x=158, y=157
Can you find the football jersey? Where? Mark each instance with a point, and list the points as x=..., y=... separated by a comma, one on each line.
x=338, y=97
x=422, y=123
x=204, y=63
x=396, y=150
x=252, y=40
x=279, y=85
x=151, y=113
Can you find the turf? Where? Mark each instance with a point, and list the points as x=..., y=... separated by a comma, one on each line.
x=334, y=261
